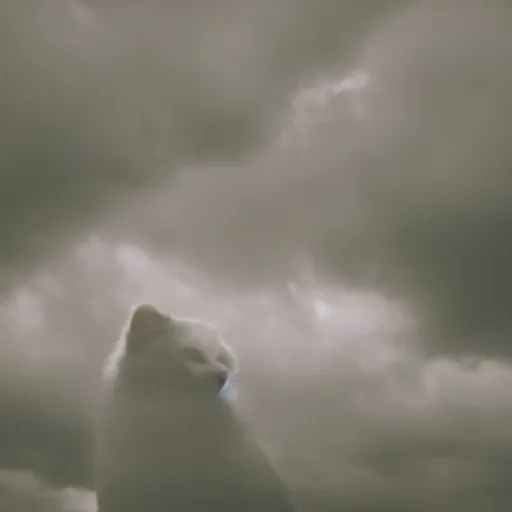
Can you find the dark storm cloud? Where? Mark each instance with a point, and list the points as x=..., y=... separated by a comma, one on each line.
x=101, y=98
x=63, y=152
x=404, y=187
x=439, y=185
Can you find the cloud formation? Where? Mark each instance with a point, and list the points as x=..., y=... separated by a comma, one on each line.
x=102, y=99
x=345, y=408
x=348, y=411
x=23, y=492
x=401, y=186
x=167, y=131
x=56, y=331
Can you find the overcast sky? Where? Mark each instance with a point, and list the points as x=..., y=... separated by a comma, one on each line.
x=327, y=180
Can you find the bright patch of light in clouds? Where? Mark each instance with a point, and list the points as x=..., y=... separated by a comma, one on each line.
x=313, y=105
x=132, y=259
x=25, y=306
x=78, y=500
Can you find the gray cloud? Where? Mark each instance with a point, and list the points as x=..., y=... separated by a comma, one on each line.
x=56, y=333
x=358, y=419
x=403, y=187
x=100, y=99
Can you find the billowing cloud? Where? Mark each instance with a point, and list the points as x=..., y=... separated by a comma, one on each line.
x=349, y=412
x=56, y=331
x=330, y=384
x=401, y=185
x=102, y=99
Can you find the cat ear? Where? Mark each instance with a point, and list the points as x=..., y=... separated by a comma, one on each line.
x=143, y=316
x=144, y=323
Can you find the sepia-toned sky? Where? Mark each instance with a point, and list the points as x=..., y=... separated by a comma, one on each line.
x=327, y=180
